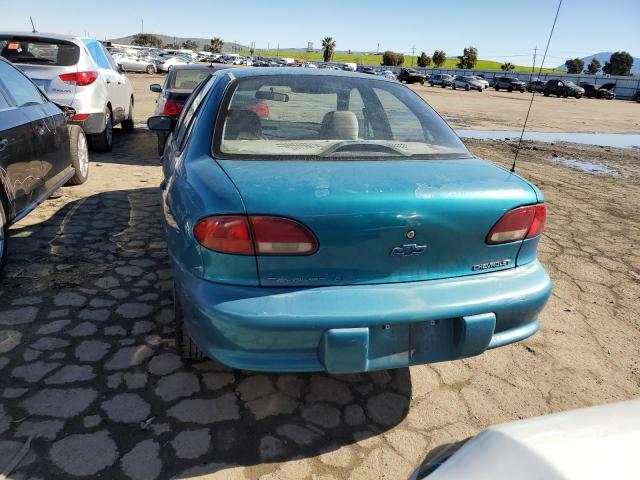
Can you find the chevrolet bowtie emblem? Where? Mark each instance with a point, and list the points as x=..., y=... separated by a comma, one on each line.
x=408, y=250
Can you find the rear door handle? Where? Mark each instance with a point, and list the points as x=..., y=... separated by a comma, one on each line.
x=3, y=144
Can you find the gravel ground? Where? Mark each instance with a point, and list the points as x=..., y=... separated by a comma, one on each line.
x=88, y=372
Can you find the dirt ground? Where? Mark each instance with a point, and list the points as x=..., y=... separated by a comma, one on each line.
x=488, y=110
x=87, y=368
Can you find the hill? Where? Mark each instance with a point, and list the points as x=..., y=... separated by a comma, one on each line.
x=375, y=59
x=603, y=57
x=168, y=39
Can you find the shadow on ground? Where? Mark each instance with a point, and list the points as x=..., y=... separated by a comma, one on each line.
x=89, y=372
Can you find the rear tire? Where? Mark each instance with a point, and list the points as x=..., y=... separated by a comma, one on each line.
x=497, y=89
x=151, y=69
x=546, y=93
x=187, y=349
x=466, y=87
x=453, y=87
x=79, y=152
x=432, y=84
x=444, y=85
x=127, y=125
x=103, y=141
x=510, y=89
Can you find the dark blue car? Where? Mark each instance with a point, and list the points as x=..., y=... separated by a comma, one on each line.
x=325, y=220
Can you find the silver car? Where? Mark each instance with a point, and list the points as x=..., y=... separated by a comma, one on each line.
x=77, y=72
x=137, y=64
x=467, y=82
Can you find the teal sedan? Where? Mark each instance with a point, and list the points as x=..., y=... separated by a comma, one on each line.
x=332, y=221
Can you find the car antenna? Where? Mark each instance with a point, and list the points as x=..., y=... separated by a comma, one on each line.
x=533, y=90
x=33, y=26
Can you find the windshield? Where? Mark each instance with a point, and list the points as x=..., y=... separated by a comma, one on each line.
x=188, y=79
x=325, y=116
x=41, y=52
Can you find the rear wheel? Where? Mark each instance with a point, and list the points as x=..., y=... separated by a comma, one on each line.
x=127, y=125
x=444, y=85
x=432, y=84
x=103, y=142
x=3, y=233
x=187, y=349
x=510, y=89
x=79, y=151
x=151, y=69
x=422, y=82
x=497, y=88
x=546, y=93
x=466, y=87
x=453, y=86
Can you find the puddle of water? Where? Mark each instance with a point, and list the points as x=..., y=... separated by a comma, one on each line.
x=597, y=168
x=618, y=140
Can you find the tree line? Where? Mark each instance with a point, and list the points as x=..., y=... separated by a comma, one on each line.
x=619, y=63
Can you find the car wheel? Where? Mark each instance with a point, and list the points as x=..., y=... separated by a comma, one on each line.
x=466, y=87
x=522, y=90
x=497, y=88
x=578, y=96
x=187, y=349
x=127, y=125
x=422, y=82
x=3, y=233
x=103, y=142
x=453, y=86
x=432, y=84
x=510, y=89
x=444, y=85
x=79, y=152
x=151, y=69
x=546, y=93
x=565, y=95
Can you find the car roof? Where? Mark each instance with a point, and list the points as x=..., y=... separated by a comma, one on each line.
x=246, y=72
x=45, y=35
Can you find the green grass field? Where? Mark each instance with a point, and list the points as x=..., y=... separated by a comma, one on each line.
x=376, y=59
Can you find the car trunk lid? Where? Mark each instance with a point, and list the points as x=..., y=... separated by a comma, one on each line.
x=383, y=221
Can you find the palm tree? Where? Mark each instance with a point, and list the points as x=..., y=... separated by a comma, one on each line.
x=328, y=45
x=216, y=45
x=507, y=67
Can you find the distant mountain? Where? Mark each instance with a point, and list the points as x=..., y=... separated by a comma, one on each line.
x=603, y=57
x=167, y=39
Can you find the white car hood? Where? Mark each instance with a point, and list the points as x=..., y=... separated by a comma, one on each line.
x=592, y=443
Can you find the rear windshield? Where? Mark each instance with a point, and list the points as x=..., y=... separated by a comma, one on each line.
x=188, y=79
x=283, y=116
x=39, y=52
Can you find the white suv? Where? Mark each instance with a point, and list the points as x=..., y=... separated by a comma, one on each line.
x=80, y=73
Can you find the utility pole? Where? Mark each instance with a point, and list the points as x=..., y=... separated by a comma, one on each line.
x=378, y=49
x=413, y=54
x=535, y=54
x=278, y=53
x=142, y=25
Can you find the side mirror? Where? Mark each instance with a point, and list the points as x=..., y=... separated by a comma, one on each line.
x=161, y=123
x=155, y=87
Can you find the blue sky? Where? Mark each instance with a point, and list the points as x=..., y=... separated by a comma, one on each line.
x=500, y=30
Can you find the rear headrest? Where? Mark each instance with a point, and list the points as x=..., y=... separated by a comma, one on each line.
x=340, y=125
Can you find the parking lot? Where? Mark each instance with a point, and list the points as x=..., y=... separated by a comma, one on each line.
x=88, y=371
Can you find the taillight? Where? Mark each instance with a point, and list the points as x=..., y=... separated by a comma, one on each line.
x=260, y=108
x=79, y=117
x=518, y=224
x=225, y=234
x=80, y=79
x=281, y=236
x=259, y=234
x=172, y=108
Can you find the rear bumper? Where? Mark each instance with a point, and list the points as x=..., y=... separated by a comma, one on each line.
x=362, y=327
x=95, y=123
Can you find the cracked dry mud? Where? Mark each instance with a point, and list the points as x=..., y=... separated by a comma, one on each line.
x=88, y=371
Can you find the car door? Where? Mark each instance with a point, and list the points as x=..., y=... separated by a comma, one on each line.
x=49, y=138
x=112, y=78
x=20, y=169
